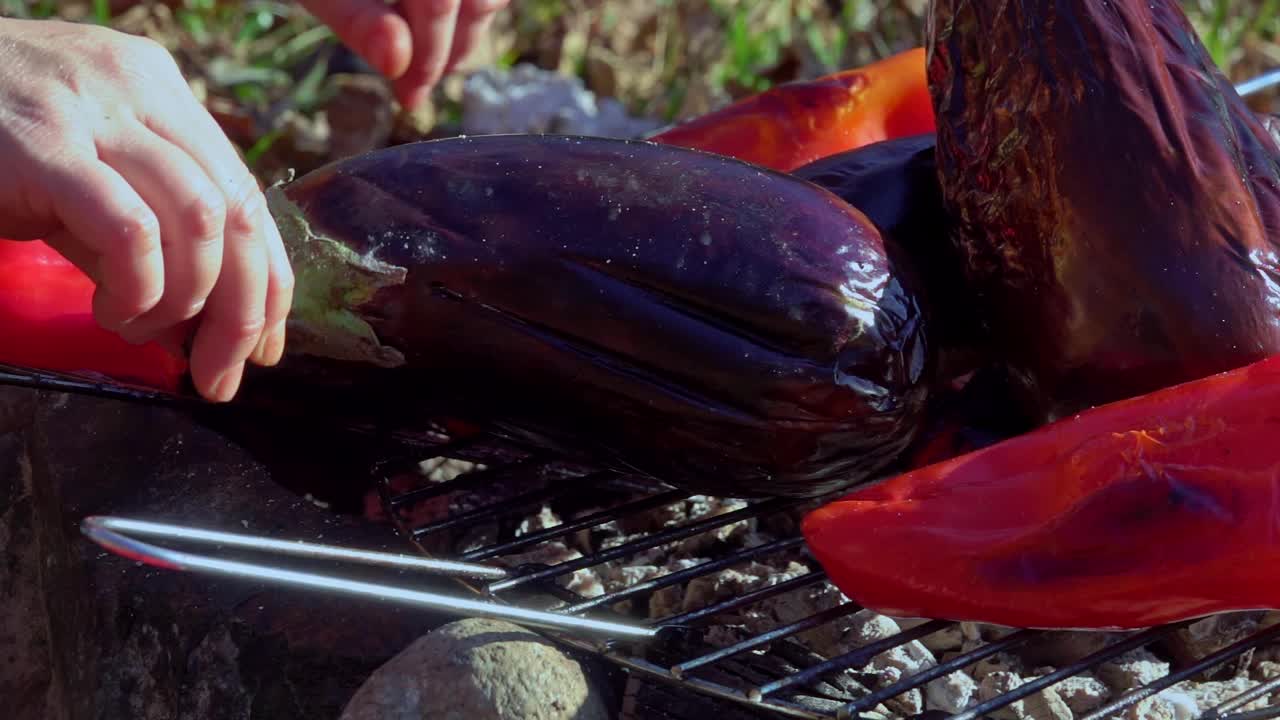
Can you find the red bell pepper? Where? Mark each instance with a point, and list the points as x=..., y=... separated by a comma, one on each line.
x=46, y=322
x=796, y=123
x=1151, y=510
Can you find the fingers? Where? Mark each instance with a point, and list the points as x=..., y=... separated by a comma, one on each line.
x=258, y=295
x=432, y=24
x=119, y=233
x=371, y=28
x=444, y=33
x=191, y=211
x=474, y=19
x=233, y=323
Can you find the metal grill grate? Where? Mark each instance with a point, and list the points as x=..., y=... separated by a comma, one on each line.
x=769, y=673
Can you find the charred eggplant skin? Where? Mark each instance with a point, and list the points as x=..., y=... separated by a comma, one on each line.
x=1116, y=203
x=724, y=327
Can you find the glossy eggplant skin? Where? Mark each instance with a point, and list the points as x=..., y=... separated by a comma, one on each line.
x=723, y=327
x=895, y=184
x=1116, y=203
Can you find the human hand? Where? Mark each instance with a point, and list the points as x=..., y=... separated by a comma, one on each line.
x=114, y=163
x=415, y=43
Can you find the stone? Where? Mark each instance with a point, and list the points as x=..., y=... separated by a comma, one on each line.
x=89, y=635
x=528, y=99
x=478, y=669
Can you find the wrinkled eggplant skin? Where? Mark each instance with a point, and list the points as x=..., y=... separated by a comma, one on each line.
x=723, y=327
x=1116, y=203
x=895, y=184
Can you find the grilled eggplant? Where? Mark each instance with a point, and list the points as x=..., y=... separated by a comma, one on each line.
x=657, y=309
x=1116, y=203
x=895, y=184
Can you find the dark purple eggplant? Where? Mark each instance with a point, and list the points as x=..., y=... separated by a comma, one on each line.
x=723, y=327
x=1116, y=202
x=895, y=184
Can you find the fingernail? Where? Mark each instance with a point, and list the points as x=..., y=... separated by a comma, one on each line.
x=134, y=334
x=270, y=346
x=275, y=349
x=224, y=390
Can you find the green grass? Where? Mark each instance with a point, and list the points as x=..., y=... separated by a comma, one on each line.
x=668, y=59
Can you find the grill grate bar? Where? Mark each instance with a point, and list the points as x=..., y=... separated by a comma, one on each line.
x=920, y=679
x=855, y=658
x=778, y=633
x=749, y=598
x=651, y=541
x=483, y=512
x=1027, y=689
x=469, y=481
x=1243, y=698
x=1168, y=681
x=1262, y=714
x=716, y=690
x=672, y=578
x=650, y=503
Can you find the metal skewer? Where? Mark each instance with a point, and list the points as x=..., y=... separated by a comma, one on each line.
x=111, y=533
x=1259, y=83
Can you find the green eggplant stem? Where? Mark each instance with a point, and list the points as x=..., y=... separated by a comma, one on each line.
x=332, y=283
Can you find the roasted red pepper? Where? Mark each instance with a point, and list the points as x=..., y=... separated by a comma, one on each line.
x=799, y=122
x=1149, y=510
x=46, y=322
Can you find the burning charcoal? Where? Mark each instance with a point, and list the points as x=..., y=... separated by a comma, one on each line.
x=545, y=518
x=585, y=583
x=477, y=536
x=1063, y=647
x=1134, y=668
x=953, y=693
x=1044, y=705
x=708, y=589
x=998, y=683
x=902, y=661
x=656, y=519
x=1000, y=662
x=702, y=506
x=1154, y=708
x=1205, y=695
x=1083, y=693
x=444, y=469
x=946, y=640
x=829, y=639
x=669, y=600
x=1207, y=636
x=1266, y=670
x=479, y=670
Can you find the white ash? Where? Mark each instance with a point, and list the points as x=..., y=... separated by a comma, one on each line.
x=529, y=99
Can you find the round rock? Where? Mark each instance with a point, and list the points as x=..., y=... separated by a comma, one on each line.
x=478, y=669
